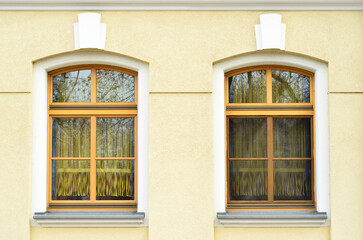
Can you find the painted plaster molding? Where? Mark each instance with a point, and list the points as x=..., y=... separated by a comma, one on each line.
x=270, y=33
x=182, y=5
x=272, y=218
x=88, y=219
x=89, y=32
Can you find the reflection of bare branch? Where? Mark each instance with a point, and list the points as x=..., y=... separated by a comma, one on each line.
x=113, y=86
x=250, y=92
x=116, y=131
x=70, y=93
x=286, y=86
x=71, y=132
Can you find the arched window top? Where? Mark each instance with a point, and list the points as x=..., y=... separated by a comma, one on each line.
x=93, y=84
x=269, y=84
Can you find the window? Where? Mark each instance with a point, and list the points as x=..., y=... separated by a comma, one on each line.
x=92, y=138
x=270, y=138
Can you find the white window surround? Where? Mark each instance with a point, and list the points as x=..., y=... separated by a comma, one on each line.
x=320, y=70
x=39, y=156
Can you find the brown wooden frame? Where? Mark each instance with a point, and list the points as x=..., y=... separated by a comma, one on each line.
x=92, y=110
x=269, y=110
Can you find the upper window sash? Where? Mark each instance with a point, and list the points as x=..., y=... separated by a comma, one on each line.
x=83, y=87
x=269, y=86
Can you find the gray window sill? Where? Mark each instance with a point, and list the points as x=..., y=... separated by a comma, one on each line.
x=88, y=219
x=271, y=219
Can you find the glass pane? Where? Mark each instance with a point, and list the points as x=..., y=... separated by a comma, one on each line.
x=248, y=87
x=247, y=137
x=248, y=180
x=115, y=137
x=72, y=86
x=290, y=87
x=71, y=137
x=70, y=179
x=113, y=86
x=292, y=180
x=115, y=180
x=291, y=137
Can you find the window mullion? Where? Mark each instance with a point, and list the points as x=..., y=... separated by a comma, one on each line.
x=269, y=85
x=93, y=86
x=270, y=156
x=93, y=160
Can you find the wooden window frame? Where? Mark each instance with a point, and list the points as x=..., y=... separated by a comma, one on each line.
x=269, y=110
x=92, y=110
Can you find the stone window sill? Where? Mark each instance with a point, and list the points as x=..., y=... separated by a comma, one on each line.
x=271, y=219
x=88, y=219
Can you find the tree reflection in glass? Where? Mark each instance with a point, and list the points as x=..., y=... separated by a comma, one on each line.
x=72, y=86
x=113, y=86
x=290, y=87
x=248, y=87
x=71, y=137
x=115, y=137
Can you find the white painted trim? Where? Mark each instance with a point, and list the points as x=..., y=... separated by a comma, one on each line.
x=89, y=32
x=321, y=120
x=39, y=157
x=273, y=223
x=88, y=219
x=270, y=33
x=88, y=223
x=189, y=5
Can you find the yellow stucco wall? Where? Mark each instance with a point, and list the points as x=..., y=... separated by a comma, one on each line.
x=274, y=233
x=89, y=233
x=181, y=48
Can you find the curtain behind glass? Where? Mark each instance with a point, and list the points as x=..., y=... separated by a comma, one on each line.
x=292, y=180
x=115, y=178
x=292, y=139
x=71, y=137
x=248, y=180
x=71, y=178
x=248, y=139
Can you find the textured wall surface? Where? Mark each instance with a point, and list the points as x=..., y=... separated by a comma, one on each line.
x=89, y=233
x=181, y=48
x=274, y=233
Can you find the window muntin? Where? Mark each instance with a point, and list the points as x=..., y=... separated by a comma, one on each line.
x=92, y=145
x=270, y=157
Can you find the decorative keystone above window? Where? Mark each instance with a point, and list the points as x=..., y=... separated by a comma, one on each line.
x=270, y=33
x=89, y=32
